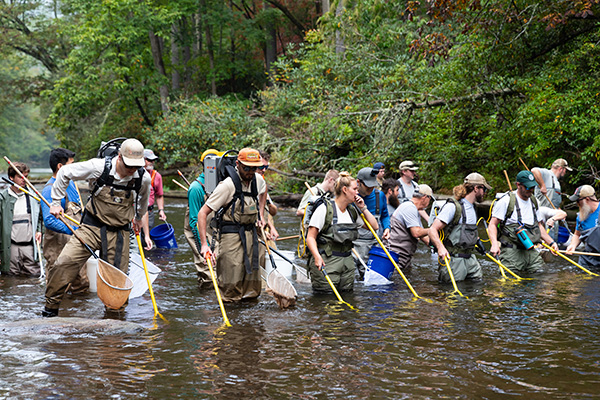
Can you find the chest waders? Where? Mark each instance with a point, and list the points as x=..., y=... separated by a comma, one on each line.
x=402, y=242
x=460, y=238
x=55, y=241
x=232, y=219
x=510, y=230
x=335, y=243
x=111, y=208
x=337, y=239
x=22, y=227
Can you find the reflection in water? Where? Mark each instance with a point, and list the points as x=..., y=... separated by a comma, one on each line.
x=533, y=339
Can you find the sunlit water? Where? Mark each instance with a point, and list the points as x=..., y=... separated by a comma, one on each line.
x=532, y=340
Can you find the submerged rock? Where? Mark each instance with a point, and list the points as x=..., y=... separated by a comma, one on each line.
x=62, y=326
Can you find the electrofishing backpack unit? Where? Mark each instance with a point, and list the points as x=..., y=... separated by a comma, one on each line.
x=216, y=168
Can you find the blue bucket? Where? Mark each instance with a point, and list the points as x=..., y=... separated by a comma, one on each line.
x=380, y=263
x=164, y=236
x=563, y=234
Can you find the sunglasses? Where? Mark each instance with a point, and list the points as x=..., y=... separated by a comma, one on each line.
x=248, y=169
x=129, y=167
x=484, y=188
x=264, y=167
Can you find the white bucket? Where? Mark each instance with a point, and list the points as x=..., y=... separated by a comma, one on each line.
x=92, y=267
x=284, y=267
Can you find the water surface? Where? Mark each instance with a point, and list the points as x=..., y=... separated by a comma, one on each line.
x=533, y=340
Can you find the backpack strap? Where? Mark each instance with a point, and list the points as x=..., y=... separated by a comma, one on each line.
x=512, y=203
x=377, y=210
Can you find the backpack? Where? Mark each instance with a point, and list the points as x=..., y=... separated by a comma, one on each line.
x=108, y=151
x=225, y=168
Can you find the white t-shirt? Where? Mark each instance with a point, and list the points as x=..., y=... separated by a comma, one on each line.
x=408, y=214
x=409, y=189
x=546, y=213
x=317, y=219
x=526, y=207
x=446, y=214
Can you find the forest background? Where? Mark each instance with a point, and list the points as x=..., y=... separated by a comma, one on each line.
x=454, y=85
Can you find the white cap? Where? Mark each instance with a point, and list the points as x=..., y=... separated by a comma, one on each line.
x=132, y=151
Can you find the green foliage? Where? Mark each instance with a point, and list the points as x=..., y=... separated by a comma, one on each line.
x=221, y=123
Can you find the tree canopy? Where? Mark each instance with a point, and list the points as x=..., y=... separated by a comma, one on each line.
x=454, y=85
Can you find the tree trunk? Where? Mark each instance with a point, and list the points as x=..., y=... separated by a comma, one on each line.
x=160, y=67
x=340, y=47
x=325, y=6
x=197, y=52
x=210, y=52
x=175, y=61
x=186, y=51
x=271, y=50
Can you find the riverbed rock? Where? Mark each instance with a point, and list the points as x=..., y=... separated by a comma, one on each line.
x=63, y=326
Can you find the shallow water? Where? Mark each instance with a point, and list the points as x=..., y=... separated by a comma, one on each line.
x=533, y=340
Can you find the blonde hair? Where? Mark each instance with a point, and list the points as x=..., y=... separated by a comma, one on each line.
x=343, y=180
x=462, y=190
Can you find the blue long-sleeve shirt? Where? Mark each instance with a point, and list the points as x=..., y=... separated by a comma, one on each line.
x=50, y=221
x=370, y=202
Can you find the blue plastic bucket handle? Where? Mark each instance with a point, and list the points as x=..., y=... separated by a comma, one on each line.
x=164, y=236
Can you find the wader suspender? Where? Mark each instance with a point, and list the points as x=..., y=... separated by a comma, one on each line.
x=88, y=218
x=25, y=221
x=333, y=222
x=509, y=211
x=402, y=188
x=377, y=202
x=236, y=227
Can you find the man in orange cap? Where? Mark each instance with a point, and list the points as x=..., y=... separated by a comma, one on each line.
x=238, y=203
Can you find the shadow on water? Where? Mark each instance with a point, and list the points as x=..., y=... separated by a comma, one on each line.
x=532, y=339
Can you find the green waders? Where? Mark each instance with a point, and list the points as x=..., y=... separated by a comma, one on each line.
x=513, y=255
x=335, y=246
x=460, y=241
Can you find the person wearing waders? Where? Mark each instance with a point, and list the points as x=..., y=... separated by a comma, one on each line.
x=20, y=225
x=119, y=195
x=407, y=228
x=156, y=198
x=516, y=226
x=196, y=199
x=408, y=185
x=57, y=233
x=325, y=187
x=586, y=226
x=332, y=229
x=238, y=202
x=376, y=202
x=458, y=220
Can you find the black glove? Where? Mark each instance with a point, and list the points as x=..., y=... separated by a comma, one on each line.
x=480, y=247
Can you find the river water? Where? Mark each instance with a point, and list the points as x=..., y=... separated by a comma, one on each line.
x=534, y=340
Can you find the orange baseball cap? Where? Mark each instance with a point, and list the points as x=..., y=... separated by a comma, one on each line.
x=249, y=157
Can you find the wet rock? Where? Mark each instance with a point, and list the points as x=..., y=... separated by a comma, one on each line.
x=62, y=326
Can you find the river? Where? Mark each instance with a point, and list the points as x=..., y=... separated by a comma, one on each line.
x=536, y=339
